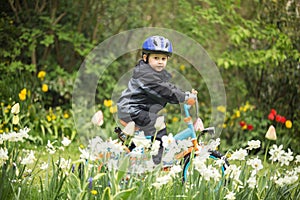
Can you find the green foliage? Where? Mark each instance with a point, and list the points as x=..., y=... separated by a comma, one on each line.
x=254, y=43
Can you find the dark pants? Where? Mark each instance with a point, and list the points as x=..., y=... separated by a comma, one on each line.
x=145, y=121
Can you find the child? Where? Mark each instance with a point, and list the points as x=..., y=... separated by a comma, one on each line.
x=149, y=90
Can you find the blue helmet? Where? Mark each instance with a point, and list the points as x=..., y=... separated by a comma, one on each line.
x=157, y=44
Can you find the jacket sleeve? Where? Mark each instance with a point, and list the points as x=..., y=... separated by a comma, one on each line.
x=157, y=88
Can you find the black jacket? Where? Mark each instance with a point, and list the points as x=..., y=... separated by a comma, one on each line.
x=148, y=90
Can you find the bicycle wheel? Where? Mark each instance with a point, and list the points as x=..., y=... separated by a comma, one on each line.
x=215, y=155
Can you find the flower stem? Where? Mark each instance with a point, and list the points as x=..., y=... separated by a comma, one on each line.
x=266, y=152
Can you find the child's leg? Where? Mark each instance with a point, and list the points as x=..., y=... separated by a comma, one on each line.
x=157, y=158
x=146, y=121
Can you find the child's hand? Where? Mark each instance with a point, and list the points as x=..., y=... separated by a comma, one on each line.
x=194, y=91
x=191, y=95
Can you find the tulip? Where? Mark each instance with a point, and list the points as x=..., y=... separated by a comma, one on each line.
x=97, y=119
x=271, y=133
x=129, y=128
x=198, y=125
x=160, y=123
x=288, y=124
x=15, y=109
x=15, y=119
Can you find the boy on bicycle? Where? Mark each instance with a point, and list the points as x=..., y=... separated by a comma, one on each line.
x=149, y=90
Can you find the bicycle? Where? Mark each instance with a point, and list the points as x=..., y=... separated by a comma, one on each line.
x=189, y=133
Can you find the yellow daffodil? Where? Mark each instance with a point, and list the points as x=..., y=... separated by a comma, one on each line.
x=53, y=116
x=22, y=94
x=237, y=114
x=41, y=75
x=175, y=119
x=288, y=124
x=45, y=88
x=66, y=115
x=108, y=103
x=221, y=109
x=48, y=118
x=94, y=192
x=182, y=67
x=113, y=109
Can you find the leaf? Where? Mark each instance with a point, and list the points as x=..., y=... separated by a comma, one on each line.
x=124, y=194
x=49, y=39
x=98, y=176
x=122, y=169
x=106, y=194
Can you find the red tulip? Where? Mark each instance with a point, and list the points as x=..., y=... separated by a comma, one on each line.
x=271, y=116
x=282, y=120
x=278, y=118
x=273, y=111
x=249, y=127
x=242, y=123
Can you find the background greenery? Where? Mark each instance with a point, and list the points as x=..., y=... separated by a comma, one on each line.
x=255, y=44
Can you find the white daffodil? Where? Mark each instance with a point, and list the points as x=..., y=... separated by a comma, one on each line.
x=253, y=144
x=239, y=154
x=29, y=159
x=50, y=148
x=175, y=170
x=252, y=182
x=86, y=155
x=234, y=172
x=167, y=140
x=63, y=163
x=276, y=153
x=66, y=141
x=44, y=166
x=286, y=158
x=297, y=160
x=230, y=196
x=255, y=163
x=155, y=148
x=141, y=141
x=3, y=155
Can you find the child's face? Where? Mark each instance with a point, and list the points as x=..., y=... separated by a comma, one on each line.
x=157, y=61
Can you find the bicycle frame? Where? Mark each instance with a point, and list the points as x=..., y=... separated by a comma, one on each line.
x=187, y=133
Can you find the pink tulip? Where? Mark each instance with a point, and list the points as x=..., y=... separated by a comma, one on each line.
x=97, y=119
